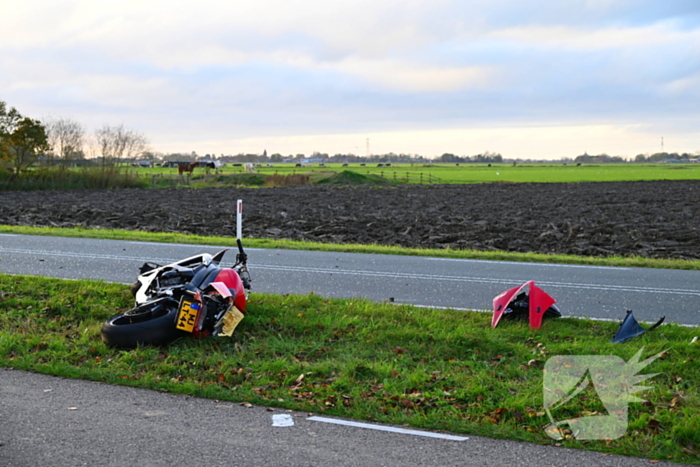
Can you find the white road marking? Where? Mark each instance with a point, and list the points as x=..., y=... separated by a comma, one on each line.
x=69, y=254
x=392, y=429
x=398, y=275
x=525, y=263
x=383, y=274
x=282, y=419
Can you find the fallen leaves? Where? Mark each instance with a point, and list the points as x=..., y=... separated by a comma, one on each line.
x=496, y=415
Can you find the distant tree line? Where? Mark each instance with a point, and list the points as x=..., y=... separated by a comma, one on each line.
x=62, y=141
x=339, y=158
x=665, y=157
x=598, y=159
x=640, y=158
x=487, y=157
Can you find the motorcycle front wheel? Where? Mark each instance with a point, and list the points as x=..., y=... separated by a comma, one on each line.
x=152, y=323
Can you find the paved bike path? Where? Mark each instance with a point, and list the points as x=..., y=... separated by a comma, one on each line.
x=50, y=421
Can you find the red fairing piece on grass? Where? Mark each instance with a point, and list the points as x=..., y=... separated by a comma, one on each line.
x=539, y=302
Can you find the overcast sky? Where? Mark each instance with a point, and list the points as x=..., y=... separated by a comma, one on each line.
x=527, y=79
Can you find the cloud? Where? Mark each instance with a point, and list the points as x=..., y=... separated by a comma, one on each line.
x=311, y=67
x=688, y=85
x=578, y=39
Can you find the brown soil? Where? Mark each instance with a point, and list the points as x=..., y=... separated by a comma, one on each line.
x=657, y=219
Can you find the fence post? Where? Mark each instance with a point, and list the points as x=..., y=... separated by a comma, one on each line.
x=421, y=178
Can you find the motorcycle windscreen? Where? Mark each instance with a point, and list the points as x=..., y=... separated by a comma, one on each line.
x=630, y=328
x=540, y=301
x=501, y=301
x=216, y=259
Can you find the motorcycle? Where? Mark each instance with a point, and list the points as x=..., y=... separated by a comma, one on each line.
x=194, y=296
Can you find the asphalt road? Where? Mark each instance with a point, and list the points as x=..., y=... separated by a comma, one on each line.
x=61, y=422
x=48, y=421
x=597, y=292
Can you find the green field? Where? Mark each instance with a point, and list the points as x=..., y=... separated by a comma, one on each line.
x=474, y=173
x=59, y=178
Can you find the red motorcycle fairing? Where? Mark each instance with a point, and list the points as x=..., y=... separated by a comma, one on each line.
x=229, y=285
x=501, y=301
x=222, y=289
x=539, y=302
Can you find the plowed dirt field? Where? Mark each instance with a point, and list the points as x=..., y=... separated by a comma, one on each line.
x=659, y=219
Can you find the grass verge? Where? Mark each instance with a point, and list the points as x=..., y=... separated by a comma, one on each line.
x=637, y=261
x=63, y=178
x=431, y=369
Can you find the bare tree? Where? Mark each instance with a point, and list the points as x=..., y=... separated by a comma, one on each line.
x=116, y=143
x=66, y=138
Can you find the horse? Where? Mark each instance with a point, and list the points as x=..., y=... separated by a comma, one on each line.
x=182, y=168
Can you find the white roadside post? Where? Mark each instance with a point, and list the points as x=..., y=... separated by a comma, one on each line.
x=239, y=220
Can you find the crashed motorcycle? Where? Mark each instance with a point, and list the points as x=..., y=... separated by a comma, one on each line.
x=194, y=296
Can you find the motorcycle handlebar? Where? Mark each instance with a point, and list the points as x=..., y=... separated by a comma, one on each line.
x=242, y=256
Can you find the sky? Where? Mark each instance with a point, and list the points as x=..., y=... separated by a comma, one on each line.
x=531, y=80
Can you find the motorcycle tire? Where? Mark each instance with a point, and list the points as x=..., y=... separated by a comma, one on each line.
x=152, y=323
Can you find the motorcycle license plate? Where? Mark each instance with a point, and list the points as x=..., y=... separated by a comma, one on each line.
x=187, y=315
x=229, y=321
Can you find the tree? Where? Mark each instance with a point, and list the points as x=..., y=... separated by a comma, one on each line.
x=8, y=120
x=26, y=142
x=116, y=143
x=66, y=138
x=22, y=139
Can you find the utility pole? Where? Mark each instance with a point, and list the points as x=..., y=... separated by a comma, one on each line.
x=662, y=144
x=367, y=152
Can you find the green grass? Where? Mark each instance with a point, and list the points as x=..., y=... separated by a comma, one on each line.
x=42, y=178
x=432, y=369
x=61, y=178
x=400, y=173
x=636, y=261
x=482, y=173
x=348, y=177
